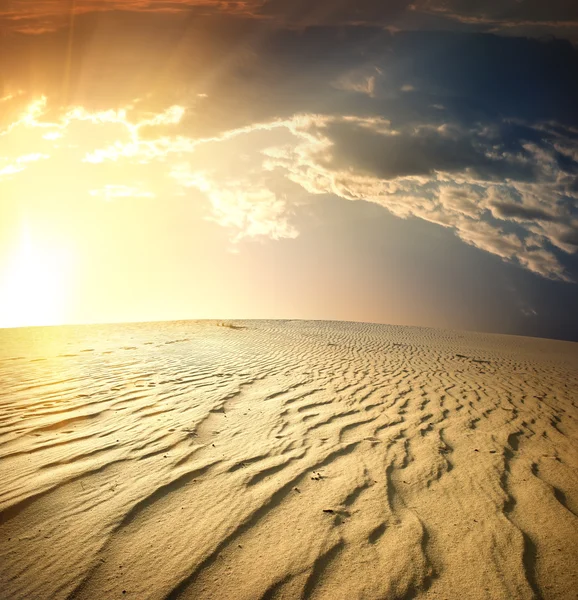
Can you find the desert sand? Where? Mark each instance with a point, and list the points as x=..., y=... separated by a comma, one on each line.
x=294, y=459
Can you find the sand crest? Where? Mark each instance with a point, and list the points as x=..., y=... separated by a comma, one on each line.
x=286, y=460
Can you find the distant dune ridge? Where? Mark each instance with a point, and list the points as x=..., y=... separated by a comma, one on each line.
x=286, y=459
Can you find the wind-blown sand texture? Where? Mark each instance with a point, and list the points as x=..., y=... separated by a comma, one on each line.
x=286, y=460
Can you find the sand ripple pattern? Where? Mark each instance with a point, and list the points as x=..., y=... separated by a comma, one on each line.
x=270, y=460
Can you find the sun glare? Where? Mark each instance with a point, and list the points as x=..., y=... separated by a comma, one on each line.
x=35, y=285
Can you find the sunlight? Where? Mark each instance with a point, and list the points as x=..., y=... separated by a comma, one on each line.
x=34, y=285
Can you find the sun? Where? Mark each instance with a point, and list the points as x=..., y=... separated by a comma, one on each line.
x=35, y=282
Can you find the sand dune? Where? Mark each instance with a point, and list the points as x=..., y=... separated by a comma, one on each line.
x=286, y=460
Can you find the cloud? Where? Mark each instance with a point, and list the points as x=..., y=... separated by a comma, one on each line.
x=498, y=87
x=251, y=210
x=458, y=188
x=135, y=137
x=543, y=263
x=42, y=16
x=485, y=236
x=530, y=16
x=361, y=81
x=333, y=12
x=466, y=201
x=18, y=164
x=511, y=16
x=62, y=139
x=130, y=142
x=519, y=212
x=500, y=194
x=563, y=235
x=421, y=150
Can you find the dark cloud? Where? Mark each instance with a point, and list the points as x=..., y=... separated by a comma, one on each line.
x=423, y=151
x=326, y=12
x=503, y=11
x=42, y=16
x=392, y=154
x=509, y=204
x=569, y=235
x=510, y=210
x=508, y=84
x=254, y=70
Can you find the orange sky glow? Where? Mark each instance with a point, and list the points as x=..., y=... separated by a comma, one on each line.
x=266, y=159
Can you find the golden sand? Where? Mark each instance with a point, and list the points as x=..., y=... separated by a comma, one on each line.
x=289, y=460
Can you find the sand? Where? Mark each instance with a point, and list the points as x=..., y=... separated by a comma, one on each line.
x=290, y=459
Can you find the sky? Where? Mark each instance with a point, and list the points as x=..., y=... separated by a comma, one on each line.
x=403, y=162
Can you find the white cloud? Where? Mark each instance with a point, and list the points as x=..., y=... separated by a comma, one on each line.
x=439, y=173
x=362, y=81
x=19, y=163
x=244, y=206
